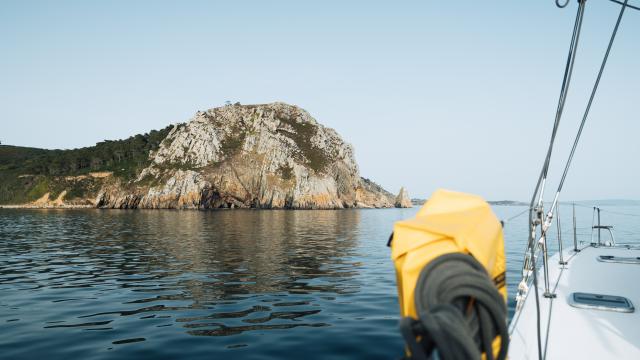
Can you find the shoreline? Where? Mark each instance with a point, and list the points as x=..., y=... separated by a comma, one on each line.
x=67, y=207
x=29, y=206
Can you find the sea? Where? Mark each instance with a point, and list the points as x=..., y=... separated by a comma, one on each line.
x=227, y=284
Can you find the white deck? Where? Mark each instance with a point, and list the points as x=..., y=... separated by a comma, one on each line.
x=574, y=333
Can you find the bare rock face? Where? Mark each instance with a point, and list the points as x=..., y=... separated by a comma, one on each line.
x=253, y=156
x=403, y=200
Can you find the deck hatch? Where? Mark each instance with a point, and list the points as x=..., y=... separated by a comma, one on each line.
x=619, y=259
x=601, y=302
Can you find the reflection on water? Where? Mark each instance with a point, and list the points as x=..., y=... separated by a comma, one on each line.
x=92, y=284
x=258, y=283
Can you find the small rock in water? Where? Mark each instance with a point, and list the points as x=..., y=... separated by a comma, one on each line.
x=403, y=200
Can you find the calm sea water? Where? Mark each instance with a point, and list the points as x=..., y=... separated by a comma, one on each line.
x=92, y=284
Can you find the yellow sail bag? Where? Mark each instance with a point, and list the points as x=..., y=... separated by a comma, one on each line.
x=449, y=223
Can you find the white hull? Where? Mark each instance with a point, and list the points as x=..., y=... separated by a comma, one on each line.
x=569, y=332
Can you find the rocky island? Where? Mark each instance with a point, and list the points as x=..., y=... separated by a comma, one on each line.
x=270, y=156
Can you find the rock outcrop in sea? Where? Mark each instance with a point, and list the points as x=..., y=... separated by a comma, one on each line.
x=403, y=200
x=273, y=156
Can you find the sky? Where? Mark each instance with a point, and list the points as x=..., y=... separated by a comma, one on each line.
x=432, y=94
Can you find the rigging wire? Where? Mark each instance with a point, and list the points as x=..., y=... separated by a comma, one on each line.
x=505, y=222
x=625, y=4
x=545, y=168
x=542, y=178
x=607, y=211
x=566, y=81
x=619, y=213
x=593, y=94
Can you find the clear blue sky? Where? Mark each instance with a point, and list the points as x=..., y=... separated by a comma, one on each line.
x=455, y=94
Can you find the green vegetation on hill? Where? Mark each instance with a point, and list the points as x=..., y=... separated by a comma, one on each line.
x=315, y=157
x=27, y=173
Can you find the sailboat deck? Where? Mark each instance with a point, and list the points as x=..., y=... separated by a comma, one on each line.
x=570, y=332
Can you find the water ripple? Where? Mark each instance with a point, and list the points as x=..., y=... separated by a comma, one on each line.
x=96, y=284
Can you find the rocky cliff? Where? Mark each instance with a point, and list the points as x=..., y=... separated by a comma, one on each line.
x=272, y=156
